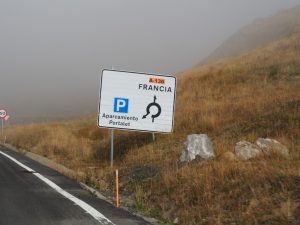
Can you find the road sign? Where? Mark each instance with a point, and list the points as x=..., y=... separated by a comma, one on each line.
x=137, y=101
x=3, y=113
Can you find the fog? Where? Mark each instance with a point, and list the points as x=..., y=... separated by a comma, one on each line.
x=52, y=52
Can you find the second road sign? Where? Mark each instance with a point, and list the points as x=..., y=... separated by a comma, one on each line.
x=137, y=101
x=3, y=113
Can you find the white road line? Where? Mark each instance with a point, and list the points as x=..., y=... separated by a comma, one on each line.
x=17, y=162
x=86, y=207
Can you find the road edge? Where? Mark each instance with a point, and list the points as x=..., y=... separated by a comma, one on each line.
x=74, y=175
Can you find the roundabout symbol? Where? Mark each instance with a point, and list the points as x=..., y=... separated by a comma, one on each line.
x=153, y=104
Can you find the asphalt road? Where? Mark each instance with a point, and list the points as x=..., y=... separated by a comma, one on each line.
x=35, y=198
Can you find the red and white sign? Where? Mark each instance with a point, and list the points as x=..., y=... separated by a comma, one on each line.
x=3, y=113
x=6, y=118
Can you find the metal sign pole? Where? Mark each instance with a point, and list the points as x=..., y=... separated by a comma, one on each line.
x=2, y=129
x=112, y=149
x=153, y=136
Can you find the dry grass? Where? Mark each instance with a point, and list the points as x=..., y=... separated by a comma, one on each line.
x=255, y=95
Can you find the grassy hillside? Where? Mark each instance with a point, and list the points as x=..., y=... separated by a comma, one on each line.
x=259, y=33
x=255, y=95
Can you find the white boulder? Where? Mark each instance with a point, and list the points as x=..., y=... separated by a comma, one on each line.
x=245, y=150
x=197, y=145
x=270, y=146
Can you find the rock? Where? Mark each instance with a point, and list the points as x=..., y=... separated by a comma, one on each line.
x=228, y=156
x=245, y=150
x=270, y=146
x=176, y=220
x=197, y=145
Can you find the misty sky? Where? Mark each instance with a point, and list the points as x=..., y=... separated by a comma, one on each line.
x=52, y=52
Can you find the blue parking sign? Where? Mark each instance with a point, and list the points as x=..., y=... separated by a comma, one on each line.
x=121, y=105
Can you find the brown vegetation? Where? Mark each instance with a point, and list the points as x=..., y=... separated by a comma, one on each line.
x=255, y=95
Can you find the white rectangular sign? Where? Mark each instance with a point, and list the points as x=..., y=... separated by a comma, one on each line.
x=137, y=101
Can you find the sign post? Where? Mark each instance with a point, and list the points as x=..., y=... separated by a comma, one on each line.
x=112, y=148
x=137, y=102
x=2, y=128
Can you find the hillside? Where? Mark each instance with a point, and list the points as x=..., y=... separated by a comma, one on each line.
x=254, y=95
x=258, y=34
